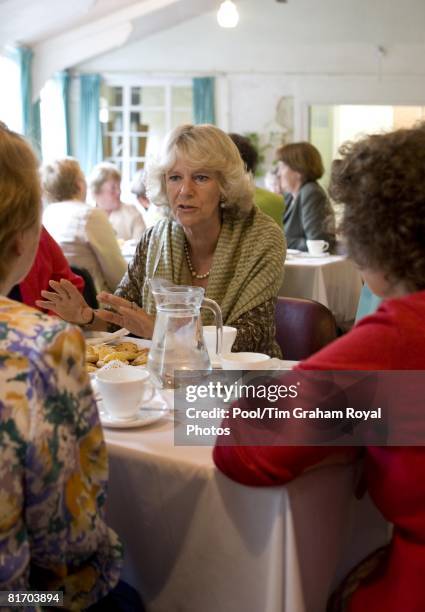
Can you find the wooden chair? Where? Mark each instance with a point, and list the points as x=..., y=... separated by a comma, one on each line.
x=303, y=327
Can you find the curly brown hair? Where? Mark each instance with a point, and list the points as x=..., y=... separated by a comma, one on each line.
x=304, y=158
x=381, y=182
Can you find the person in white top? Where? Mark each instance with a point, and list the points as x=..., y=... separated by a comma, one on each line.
x=151, y=213
x=105, y=187
x=84, y=232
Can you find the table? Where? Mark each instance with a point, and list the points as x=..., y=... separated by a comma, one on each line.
x=333, y=281
x=196, y=541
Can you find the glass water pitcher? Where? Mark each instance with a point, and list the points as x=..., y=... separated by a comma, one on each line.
x=177, y=341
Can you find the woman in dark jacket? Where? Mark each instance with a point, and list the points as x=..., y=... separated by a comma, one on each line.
x=309, y=214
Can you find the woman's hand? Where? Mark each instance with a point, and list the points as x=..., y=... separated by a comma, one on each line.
x=67, y=302
x=127, y=314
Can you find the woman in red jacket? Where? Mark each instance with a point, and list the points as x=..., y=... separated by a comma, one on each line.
x=49, y=264
x=381, y=181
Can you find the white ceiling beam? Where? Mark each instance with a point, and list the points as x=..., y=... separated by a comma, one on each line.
x=80, y=44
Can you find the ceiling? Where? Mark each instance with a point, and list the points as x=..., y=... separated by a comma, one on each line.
x=64, y=34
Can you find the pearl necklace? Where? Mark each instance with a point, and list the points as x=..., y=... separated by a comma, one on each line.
x=190, y=265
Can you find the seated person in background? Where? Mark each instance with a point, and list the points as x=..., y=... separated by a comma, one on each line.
x=83, y=232
x=384, y=224
x=150, y=213
x=53, y=464
x=49, y=264
x=105, y=188
x=309, y=214
x=270, y=203
x=215, y=238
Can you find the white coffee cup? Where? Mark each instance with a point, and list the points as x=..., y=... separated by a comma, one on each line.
x=229, y=336
x=123, y=390
x=244, y=361
x=317, y=247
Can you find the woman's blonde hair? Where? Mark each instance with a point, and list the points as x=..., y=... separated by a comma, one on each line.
x=208, y=148
x=61, y=180
x=20, y=191
x=101, y=173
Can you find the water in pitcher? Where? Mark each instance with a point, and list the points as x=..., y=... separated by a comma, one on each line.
x=177, y=341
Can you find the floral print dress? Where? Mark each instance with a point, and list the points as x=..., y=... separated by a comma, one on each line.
x=53, y=463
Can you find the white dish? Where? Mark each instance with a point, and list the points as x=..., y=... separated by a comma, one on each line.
x=293, y=251
x=151, y=413
x=310, y=255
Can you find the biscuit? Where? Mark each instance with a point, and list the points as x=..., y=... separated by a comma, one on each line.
x=120, y=356
x=90, y=367
x=91, y=354
x=142, y=358
x=131, y=347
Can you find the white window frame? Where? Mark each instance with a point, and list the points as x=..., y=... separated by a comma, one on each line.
x=133, y=80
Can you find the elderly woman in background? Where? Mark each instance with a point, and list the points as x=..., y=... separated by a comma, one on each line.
x=105, y=188
x=216, y=238
x=309, y=214
x=150, y=213
x=84, y=233
x=381, y=181
x=53, y=465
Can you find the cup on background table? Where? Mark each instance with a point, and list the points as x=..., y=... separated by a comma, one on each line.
x=229, y=336
x=317, y=247
x=124, y=390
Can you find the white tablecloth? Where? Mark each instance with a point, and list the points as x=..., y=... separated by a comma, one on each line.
x=198, y=542
x=333, y=281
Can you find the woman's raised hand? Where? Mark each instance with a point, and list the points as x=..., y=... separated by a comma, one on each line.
x=126, y=314
x=66, y=301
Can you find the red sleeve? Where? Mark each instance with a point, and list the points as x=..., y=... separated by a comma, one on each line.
x=59, y=265
x=49, y=263
x=371, y=345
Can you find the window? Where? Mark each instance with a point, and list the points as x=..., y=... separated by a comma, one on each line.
x=136, y=116
x=10, y=99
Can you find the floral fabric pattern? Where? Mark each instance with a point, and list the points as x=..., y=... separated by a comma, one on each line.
x=53, y=463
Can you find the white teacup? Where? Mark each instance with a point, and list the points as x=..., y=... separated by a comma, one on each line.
x=317, y=247
x=244, y=361
x=123, y=390
x=229, y=336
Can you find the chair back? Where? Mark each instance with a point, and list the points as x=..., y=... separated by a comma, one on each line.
x=303, y=327
x=89, y=291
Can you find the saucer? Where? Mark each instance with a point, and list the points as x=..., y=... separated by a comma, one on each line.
x=306, y=254
x=145, y=416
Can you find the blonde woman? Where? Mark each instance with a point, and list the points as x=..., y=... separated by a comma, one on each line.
x=53, y=465
x=105, y=187
x=215, y=238
x=84, y=232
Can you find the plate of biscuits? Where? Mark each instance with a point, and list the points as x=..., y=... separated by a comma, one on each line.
x=133, y=351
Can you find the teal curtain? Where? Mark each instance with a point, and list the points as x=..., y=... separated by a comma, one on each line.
x=31, y=126
x=368, y=303
x=90, y=135
x=63, y=81
x=203, y=100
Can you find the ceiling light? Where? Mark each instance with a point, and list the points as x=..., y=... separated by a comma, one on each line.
x=227, y=15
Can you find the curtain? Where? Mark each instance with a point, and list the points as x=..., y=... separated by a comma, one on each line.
x=30, y=112
x=203, y=100
x=63, y=81
x=90, y=135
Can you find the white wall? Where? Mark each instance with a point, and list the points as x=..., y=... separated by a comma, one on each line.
x=322, y=52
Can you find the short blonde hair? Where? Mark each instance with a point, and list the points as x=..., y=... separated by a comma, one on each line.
x=20, y=191
x=304, y=158
x=101, y=173
x=207, y=147
x=61, y=180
